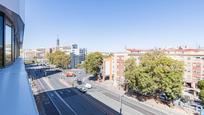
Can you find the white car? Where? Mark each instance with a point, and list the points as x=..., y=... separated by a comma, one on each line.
x=82, y=89
x=87, y=85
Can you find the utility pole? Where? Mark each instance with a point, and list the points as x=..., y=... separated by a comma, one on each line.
x=121, y=103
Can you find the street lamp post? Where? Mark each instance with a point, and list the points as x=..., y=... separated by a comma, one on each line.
x=121, y=102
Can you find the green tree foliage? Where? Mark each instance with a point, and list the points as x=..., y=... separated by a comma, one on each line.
x=201, y=87
x=138, y=79
x=156, y=73
x=130, y=73
x=201, y=95
x=93, y=63
x=201, y=84
x=59, y=59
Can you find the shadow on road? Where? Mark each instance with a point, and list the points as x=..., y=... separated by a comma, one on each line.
x=50, y=103
x=37, y=72
x=66, y=101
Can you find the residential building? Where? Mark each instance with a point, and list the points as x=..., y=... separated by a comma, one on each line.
x=65, y=49
x=28, y=54
x=107, y=68
x=40, y=53
x=192, y=58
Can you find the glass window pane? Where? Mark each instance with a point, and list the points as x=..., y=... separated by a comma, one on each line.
x=8, y=44
x=12, y=44
x=1, y=40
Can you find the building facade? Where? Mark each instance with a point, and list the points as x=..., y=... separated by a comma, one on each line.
x=192, y=58
x=77, y=55
x=11, y=30
x=16, y=95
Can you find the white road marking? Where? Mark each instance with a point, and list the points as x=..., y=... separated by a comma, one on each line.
x=52, y=88
x=50, y=98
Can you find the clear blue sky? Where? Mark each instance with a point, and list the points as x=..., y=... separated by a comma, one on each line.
x=110, y=25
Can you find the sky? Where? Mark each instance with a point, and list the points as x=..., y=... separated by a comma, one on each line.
x=112, y=25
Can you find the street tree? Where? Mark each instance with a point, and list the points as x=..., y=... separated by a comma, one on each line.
x=201, y=84
x=201, y=95
x=93, y=63
x=157, y=73
x=201, y=87
x=137, y=78
x=129, y=72
x=59, y=59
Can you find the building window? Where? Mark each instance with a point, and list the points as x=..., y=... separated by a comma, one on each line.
x=9, y=44
x=1, y=40
x=197, y=57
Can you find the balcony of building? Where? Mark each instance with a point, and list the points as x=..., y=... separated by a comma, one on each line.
x=16, y=97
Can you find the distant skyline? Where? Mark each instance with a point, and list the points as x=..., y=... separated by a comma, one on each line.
x=112, y=25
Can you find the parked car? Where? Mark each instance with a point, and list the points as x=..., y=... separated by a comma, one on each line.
x=88, y=86
x=70, y=74
x=196, y=107
x=163, y=98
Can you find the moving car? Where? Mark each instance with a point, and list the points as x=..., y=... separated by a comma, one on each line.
x=79, y=82
x=82, y=89
x=88, y=86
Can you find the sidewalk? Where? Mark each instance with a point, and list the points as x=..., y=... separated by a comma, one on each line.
x=151, y=103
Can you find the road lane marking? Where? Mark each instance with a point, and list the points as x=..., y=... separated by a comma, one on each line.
x=50, y=98
x=52, y=88
x=100, y=107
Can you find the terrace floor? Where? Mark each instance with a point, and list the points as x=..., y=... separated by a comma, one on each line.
x=16, y=97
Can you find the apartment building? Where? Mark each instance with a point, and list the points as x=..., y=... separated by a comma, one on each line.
x=40, y=53
x=192, y=58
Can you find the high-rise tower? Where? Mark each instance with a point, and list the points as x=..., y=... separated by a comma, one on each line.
x=58, y=42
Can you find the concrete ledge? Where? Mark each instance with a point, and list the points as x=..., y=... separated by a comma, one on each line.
x=16, y=97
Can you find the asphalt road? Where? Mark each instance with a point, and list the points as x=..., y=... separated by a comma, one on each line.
x=60, y=100
x=57, y=99
x=98, y=91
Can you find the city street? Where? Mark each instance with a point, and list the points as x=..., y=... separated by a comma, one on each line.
x=56, y=99
x=55, y=95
